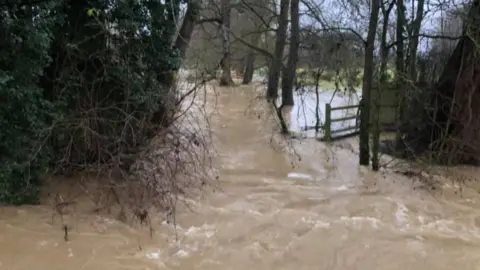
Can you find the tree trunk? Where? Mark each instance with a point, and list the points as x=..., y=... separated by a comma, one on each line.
x=381, y=84
x=226, y=78
x=276, y=64
x=249, y=67
x=262, y=10
x=188, y=25
x=181, y=44
x=400, y=75
x=184, y=35
x=317, y=100
x=412, y=55
x=406, y=70
x=383, y=42
x=289, y=73
x=367, y=85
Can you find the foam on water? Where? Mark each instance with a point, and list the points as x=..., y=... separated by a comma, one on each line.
x=206, y=230
x=155, y=255
x=357, y=220
x=300, y=176
x=182, y=253
x=402, y=214
x=315, y=223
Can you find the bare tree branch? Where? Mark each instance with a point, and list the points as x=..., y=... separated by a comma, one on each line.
x=251, y=46
x=258, y=15
x=317, y=17
x=426, y=36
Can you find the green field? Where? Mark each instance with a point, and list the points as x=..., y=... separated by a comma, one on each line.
x=328, y=79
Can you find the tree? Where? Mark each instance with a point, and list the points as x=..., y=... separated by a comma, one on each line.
x=332, y=46
x=289, y=73
x=450, y=25
x=24, y=114
x=226, y=79
x=276, y=64
x=188, y=25
x=453, y=134
x=382, y=81
x=413, y=46
x=400, y=74
x=259, y=16
x=182, y=43
x=367, y=84
x=81, y=83
x=249, y=67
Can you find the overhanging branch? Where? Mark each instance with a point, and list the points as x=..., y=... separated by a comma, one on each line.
x=241, y=40
x=317, y=17
x=253, y=47
x=425, y=36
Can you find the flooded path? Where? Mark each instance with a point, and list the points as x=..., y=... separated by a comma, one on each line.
x=281, y=206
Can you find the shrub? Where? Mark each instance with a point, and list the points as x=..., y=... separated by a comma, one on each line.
x=25, y=116
x=83, y=97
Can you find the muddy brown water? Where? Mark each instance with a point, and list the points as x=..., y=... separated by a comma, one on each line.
x=322, y=212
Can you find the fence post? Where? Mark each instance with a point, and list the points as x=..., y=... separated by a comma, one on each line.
x=328, y=122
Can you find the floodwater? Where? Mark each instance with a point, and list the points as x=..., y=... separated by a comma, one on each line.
x=296, y=204
x=303, y=118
